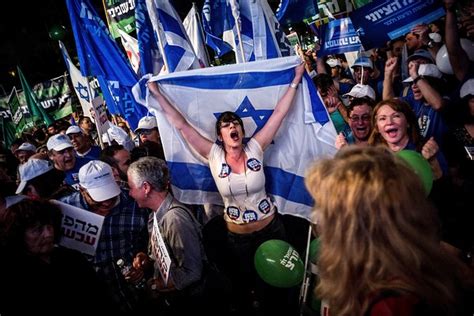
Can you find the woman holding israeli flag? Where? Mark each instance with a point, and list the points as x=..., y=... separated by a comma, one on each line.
x=250, y=215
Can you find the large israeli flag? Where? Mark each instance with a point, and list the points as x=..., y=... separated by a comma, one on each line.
x=251, y=90
x=173, y=40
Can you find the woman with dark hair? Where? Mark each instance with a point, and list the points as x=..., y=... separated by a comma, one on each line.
x=45, y=276
x=380, y=251
x=250, y=215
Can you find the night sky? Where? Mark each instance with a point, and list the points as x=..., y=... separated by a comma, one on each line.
x=25, y=41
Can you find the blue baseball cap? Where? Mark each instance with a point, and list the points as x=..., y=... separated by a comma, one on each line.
x=421, y=53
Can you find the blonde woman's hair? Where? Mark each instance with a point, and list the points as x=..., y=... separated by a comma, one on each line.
x=378, y=232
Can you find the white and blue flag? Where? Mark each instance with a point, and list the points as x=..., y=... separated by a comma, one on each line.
x=251, y=90
x=100, y=56
x=173, y=40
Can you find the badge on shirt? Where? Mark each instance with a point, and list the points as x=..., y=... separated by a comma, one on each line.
x=233, y=212
x=225, y=171
x=254, y=165
x=249, y=216
x=264, y=206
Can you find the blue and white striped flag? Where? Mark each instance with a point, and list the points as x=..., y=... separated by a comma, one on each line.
x=100, y=56
x=251, y=90
x=173, y=40
x=254, y=20
x=151, y=61
x=217, y=19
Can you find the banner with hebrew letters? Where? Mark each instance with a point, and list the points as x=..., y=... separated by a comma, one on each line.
x=384, y=20
x=120, y=16
x=80, y=229
x=54, y=96
x=339, y=36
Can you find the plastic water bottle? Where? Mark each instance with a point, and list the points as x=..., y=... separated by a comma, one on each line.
x=126, y=268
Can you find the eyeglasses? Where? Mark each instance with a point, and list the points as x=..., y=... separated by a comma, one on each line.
x=227, y=124
x=362, y=118
x=145, y=131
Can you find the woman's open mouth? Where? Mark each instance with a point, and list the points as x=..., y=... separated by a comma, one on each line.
x=234, y=135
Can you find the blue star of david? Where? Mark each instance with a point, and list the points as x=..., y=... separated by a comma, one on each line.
x=82, y=90
x=246, y=109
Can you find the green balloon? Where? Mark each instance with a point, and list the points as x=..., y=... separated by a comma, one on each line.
x=314, y=250
x=421, y=167
x=57, y=32
x=279, y=264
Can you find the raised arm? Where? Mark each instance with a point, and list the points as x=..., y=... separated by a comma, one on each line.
x=266, y=134
x=201, y=144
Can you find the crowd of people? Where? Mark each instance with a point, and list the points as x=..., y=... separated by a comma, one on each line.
x=388, y=247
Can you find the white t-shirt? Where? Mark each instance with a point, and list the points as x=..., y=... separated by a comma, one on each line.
x=244, y=194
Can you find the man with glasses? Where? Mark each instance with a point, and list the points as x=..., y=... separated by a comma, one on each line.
x=148, y=130
x=359, y=112
x=124, y=231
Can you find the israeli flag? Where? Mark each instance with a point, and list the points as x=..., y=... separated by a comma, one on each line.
x=151, y=61
x=100, y=56
x=176, y=48
x=251, y=90
x=217, y=19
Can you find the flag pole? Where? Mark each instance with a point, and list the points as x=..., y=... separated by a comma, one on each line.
x=201, y=31
x=160, y=40
x=236, y=15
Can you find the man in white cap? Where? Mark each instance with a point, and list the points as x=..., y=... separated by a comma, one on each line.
x=39, y=179
x=361, y=91
x=82, y=143
x=24, y=152
x=61, y=153
x=124, y=231
x=147, y=129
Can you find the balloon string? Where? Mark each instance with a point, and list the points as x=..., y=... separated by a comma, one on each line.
x=305, y=285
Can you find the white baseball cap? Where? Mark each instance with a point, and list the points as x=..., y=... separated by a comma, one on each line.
x=26, y=147
x=73, y=129
x=58, y=142
x=467, y=88
x=97, y=178
x=360, y=91
x=32, y=169
x=333, y=62
x=146, y=122
x=429, y=70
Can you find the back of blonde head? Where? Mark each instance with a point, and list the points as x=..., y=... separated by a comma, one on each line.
x=378, y=232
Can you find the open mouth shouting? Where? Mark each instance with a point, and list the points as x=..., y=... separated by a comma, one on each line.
x=234, y=135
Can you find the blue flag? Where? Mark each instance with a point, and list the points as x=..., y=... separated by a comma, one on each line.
x=216, y=19
x=252, y=92
x=168, y=27
x=100, y=56
x=151, y=60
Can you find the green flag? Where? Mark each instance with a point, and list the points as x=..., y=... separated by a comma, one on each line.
x=36, y=109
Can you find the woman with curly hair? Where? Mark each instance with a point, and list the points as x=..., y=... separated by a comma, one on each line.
x=380, y=249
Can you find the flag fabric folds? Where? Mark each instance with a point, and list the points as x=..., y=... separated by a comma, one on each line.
x=217, y=19
x=247, y=25
x=251, y=90
x=100, y=56
x=79, y=82
x=130, y=44
x=36, y=109
x=151, y=60
x=193, y=28
x=175, y=48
